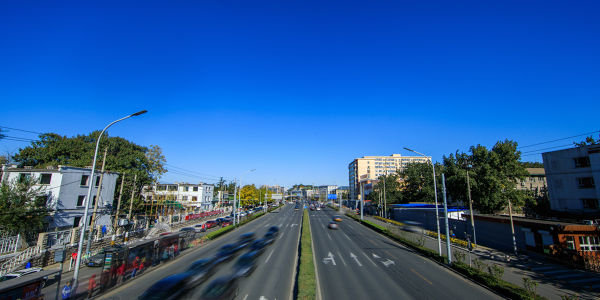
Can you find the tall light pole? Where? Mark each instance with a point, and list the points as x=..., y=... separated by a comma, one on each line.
x=240, y=193
x=89, y=195
x=437, y=217
x=471, y=206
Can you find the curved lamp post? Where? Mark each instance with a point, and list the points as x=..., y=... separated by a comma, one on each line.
x=89, y=195
x=437, y=217
x=239, y=195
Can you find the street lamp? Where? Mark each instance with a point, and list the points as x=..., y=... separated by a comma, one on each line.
x=437, y=217
x=89, y=195
x=239, y=199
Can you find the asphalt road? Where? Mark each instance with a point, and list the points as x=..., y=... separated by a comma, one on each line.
x=272, y=279
x=354, y=262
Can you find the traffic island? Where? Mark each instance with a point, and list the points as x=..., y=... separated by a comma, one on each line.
x=305, y=281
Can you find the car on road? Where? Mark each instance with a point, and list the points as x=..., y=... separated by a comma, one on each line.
x=200, y=228
x=333, y=225
x=258, y=245
x=337, y=218
x=225, y=287
x=96, y=260
x=202, y=269
x=210, y=224
x=225, y=253
x=226, y=222
x=187, y=229
x=245, y=264
x=169, y=288
x=274, y=230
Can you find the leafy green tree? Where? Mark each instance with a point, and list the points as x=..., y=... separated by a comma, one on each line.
x=417, y=182
x=588, y=141
x=532, y=164
x=22, y=207
x=493, y=176
x=123, y=156
x=249, y=195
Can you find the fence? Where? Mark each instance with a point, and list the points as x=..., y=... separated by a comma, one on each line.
x=17, y=260
x=9, y=244
x=59, y=238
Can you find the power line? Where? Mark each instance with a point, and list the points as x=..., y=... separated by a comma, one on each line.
x=561, y=139
x=16, y=138
x=191, y=172
x=538, y=150
x=23, y=130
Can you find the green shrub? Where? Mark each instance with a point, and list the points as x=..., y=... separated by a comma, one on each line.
x=307, y=285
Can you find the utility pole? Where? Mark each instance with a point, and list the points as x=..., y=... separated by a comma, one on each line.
x=362, y=200
x=89, y=241
x=384, y=196
x=512, y=227
x=130, y=205
x=471, y=207
x=112, y=242
x=234, y=199
x=448, y=241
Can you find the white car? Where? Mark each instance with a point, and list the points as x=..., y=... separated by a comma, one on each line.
x=318, y=208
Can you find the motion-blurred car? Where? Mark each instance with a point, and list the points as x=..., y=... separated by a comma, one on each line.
x=201, y=269
x=274, y=230
x=225, y=253
x=337, y=218
x=333, y=225
x=221, y=288
x=19, y=273
x=258, y=245
x=245, y=264
x=169, y=288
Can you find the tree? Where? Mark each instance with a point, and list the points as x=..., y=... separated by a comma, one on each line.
x=417, y=182
x=22, y=207
x=532, y=164
x=588, y=141
x=493, y=176
x=123, y=157
x=248, y=195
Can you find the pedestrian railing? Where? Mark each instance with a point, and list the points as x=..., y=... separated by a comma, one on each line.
x=16, y=261
x=9, y=244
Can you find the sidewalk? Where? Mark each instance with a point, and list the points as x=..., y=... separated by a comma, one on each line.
x=553, y=280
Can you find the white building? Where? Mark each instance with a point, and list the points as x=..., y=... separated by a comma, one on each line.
x=65, y=189
x=192, y=196
x=571, y=175
x=325, y=190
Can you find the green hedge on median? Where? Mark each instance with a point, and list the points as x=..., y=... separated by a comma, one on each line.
x=307, y=285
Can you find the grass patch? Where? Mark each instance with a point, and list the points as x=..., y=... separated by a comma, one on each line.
x=307, y=286
x=494, y=283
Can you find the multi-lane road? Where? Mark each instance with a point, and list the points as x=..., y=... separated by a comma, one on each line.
x=273, y=277
x=354, y=262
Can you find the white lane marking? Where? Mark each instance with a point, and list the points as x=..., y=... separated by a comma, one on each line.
x=355, y=259
x=280, y=224
x=328, y=259
x=375, y=255
x=246, y=297
x=388, y=262
x=347, y=237
x=369, y=259
x=329, y=237
x=342, y=258
x=267, y=260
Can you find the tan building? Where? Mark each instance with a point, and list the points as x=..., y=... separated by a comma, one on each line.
x=371, y=167
x=536, y=181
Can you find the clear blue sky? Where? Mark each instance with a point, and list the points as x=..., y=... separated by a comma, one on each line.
x=298, y=89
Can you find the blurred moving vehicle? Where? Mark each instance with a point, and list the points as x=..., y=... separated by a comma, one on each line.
x=412, y=226
x=337, y=218
x=245, y=264
x=333, y=225
x=19, y=273
x=221, y=288
x=258, y=245
x=169, y=288
x=225, y=253
x=201, y=269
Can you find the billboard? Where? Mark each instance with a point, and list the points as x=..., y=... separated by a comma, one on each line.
x=331, y=196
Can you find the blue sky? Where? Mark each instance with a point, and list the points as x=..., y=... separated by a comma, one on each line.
x=298, y=89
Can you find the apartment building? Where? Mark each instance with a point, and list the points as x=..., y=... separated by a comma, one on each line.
x=535, y=181
x=572, y=175
x=371, y=167
x=65, y=191
x=192, y=196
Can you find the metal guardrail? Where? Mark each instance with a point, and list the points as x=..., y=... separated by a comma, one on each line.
x=16, y=261
x=9, y=244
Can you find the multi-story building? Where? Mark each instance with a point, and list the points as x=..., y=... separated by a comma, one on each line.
x=572, y=175
x=325, y=190
x=369, y=168
x=535, y=182
x=275, y=189
x=65, y=191
x=192, y=196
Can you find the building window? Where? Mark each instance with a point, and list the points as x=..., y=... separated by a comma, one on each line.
x=585, y=182
x=589, y=243
x=161, y=188
x=94, y=201
x=194, y=198
x=590, y=203
x=582, y=162
x=84, y=180
x=80, y=200
x=185, y=188
x=184, y=198
x=76, y=221
x=45, y=178
x=24, y=177
x=570, y=243
x=172, y=188
x=97, y=181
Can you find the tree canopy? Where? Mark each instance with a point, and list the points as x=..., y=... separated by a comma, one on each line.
x=22, y=207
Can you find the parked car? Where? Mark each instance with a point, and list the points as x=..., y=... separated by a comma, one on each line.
x=210, y=224
x=200, y=228
x=245, y=264
x=96, y=260
x=187, y=229
x=221, y=288
x=169, y=288
x=226, y=223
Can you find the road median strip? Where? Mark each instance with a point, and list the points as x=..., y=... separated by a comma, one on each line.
x=489, y=280
x=306, y=269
